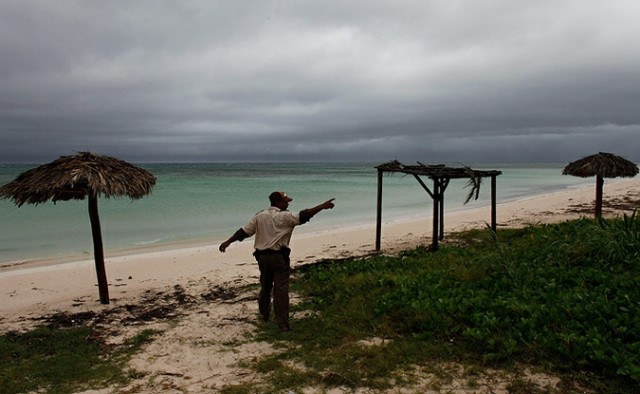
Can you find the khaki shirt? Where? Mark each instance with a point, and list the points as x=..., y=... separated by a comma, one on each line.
x=272, y=228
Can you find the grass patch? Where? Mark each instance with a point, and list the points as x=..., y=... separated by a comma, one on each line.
x=563, y=298
x=68, y=353
x=66, y=360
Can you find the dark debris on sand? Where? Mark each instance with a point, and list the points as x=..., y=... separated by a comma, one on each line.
x=627, y=203
x=152, y=306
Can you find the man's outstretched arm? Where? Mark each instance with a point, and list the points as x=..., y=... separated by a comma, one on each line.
x=307, y=214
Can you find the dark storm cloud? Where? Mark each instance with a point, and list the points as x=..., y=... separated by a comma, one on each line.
x=311, y=80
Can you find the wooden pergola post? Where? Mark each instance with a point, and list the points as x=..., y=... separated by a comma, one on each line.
x=444, y=183
x=436, y=214
x=494, y=223
x=441, y=211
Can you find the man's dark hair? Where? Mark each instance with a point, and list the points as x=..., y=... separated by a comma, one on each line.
x=275, y=198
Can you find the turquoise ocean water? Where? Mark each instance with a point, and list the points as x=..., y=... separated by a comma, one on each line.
x=207, y=202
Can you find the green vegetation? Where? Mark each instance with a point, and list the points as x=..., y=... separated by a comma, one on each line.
x=63, y=360
x=564, y=299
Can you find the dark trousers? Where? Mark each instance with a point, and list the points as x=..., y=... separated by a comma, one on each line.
x=274, y=277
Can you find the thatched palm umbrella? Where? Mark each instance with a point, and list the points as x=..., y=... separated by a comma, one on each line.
x=601, y=165
x=75, y=177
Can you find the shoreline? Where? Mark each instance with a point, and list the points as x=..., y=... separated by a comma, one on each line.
x=302, y=231
x=33, y=289
x=27, y=247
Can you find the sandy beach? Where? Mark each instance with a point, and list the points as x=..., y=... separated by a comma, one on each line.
x=208, y=289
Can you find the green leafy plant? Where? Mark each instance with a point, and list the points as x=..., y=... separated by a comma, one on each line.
x=562, y=297
x=63, y=360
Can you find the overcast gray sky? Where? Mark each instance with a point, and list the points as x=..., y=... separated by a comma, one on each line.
x=435, y=81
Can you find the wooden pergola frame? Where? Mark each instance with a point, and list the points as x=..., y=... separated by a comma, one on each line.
x=441, y=175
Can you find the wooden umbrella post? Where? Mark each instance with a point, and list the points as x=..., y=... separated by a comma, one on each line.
x=379, y=212
x=98, y=250
x=599, y=187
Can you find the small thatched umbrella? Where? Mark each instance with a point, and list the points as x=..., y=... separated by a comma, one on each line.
x=75, y=177
x=601, y=165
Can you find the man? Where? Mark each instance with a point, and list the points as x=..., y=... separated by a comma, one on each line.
x=273, y=228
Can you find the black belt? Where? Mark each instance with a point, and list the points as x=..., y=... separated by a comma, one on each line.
x=283, y=251
x=267, y=251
